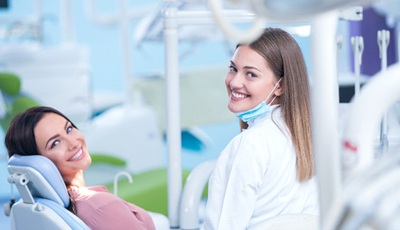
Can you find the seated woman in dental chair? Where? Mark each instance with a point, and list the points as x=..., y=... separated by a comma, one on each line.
x=47, y=132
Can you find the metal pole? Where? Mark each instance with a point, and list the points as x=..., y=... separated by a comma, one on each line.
x=383, y=43
x=173, y=116
x=66, y=22
x=325, y=104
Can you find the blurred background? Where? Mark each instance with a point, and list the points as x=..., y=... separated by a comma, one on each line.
x=102, y=63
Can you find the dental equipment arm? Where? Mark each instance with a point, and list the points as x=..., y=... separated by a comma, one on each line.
x=351, y=209
x=383, y=43
x=358, y=137
x=357, y=43
x=191, y=195
x=241, y=36
x=325, y=102
x=289, y=10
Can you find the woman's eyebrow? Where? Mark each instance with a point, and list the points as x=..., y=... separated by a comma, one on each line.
x=246, y=67
x=51, y=138
x=251, y=68
x=66, y=124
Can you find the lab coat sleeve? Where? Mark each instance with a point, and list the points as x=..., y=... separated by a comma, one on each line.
x=235, y=182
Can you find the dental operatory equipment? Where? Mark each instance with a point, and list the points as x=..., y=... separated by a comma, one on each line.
x=240, y=36
x=116, y=179
x=288, y=10
x=44, y=196
x=365, y=196
x=383, y=43
x=357, y=43
x=8, y=205
x=192, y=195
x=370, y=195
x=121, y=19
x=358, y=137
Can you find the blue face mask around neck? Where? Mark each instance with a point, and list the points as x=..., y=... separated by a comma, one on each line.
x=260, y=109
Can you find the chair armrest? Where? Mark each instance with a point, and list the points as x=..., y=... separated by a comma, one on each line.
x=192, y=193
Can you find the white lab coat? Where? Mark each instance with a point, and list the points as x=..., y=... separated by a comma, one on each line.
x=255, y=179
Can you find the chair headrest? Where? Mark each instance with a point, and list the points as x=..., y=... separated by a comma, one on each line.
x=45, y=179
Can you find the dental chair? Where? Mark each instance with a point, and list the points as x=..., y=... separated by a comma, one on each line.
x=44, y=197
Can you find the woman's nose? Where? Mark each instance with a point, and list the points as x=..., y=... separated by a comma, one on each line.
x=236, y=81
x=72, y=143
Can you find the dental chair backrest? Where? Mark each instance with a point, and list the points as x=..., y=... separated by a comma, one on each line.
x=44, y=196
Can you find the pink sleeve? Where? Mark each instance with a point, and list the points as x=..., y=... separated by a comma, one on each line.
x=106, y=211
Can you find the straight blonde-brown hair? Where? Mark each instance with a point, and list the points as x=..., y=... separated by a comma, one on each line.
x=286, y=60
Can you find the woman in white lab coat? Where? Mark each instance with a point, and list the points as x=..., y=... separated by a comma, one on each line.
x=268, y=169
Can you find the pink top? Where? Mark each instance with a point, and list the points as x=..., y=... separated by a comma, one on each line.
x=100, y=209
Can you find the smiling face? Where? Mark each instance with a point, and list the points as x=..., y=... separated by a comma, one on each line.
x=249, y=80
x=58, y=140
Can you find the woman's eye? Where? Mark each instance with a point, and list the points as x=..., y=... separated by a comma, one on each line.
x=69, y=129
x=251, y=75
x=55, y=143
x=232, y=68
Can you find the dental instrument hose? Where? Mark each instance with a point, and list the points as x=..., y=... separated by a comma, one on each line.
x=8, y=205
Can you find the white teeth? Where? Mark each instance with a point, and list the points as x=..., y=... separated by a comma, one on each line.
x=237, y=95
x=77, y=155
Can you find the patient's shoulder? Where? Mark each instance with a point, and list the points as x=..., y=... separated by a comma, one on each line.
x=94, y=195
x=100, y=209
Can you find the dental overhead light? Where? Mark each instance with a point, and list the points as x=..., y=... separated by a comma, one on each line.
x=277, y=10
x=300, y=9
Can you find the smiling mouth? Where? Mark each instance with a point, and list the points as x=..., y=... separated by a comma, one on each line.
x=238, y=95
x=76, y=156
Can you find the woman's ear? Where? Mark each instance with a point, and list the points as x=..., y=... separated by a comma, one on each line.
x=279, y=89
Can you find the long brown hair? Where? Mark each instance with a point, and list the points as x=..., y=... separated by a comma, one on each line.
x=285, y=59
x=20, y=136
